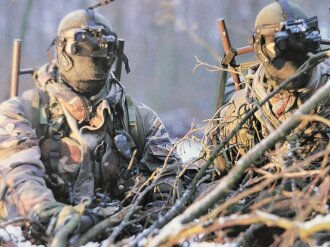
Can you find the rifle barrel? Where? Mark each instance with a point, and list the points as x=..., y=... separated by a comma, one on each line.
x=224, y=36
x=15, y=67
x=325, y=41
x=27, y=71
x=244, y=50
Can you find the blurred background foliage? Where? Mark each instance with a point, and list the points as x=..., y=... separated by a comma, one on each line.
x=163, y=37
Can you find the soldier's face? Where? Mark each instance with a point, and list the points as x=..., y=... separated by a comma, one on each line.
x=85, y=74
x=278, y=74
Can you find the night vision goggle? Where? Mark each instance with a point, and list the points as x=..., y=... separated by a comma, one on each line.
x=299, y=36
x=95, y=41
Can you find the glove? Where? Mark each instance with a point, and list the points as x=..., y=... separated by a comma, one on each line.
x=67, y=223
x=80, y=219
x=88, y=220
x=64, y=216
x=59, y=220
x=41, y=215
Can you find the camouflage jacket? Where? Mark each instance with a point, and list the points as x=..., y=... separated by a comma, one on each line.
x=308, y=136
x=58, y=145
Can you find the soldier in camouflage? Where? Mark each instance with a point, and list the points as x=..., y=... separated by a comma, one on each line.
x=275, y=66
x=277, y=62
x=72, y=138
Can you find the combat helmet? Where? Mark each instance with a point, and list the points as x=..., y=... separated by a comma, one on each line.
x=80, y=18
x=283, y=37
x=274, y=14
x=85, y=50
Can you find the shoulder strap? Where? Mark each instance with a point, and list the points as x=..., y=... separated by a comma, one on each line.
x=39, y=117
x=135, y=123
x=40, y=124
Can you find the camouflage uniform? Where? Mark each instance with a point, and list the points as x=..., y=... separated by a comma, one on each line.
x=57, y=145
x=307, y=137
x=276, y=65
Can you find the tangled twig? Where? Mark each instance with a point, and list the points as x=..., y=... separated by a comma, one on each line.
x=230, y=180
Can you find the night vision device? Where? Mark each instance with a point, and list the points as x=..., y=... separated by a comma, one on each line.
x=300, y=35
x=95, y=41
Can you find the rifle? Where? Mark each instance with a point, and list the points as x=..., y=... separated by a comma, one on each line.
x=228, y=59
x=15, y=69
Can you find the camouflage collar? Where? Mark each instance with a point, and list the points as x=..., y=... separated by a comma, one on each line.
x=112, y=91
x=83, y=109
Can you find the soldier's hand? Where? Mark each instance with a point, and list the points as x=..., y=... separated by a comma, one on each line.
x=63, y=226
x=77, y=218
x=66, y=214
x=41, y=215
x=87, y=220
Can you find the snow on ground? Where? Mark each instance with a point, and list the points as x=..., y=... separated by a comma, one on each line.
x=14, y=234
x=189, y=150
x=91, y=244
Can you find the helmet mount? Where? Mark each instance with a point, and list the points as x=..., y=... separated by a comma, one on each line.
x=287, y=11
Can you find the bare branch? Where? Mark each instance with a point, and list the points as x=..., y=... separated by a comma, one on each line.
x=230, y=180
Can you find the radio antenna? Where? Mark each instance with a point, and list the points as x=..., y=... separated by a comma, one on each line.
x=101, y=3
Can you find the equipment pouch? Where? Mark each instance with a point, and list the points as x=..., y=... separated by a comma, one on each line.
x=124, y=144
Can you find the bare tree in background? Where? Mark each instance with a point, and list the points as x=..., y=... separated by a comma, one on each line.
x=162, y=53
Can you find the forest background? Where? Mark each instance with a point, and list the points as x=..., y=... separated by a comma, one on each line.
x=163, y=39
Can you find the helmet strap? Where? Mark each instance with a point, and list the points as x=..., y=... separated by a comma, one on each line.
x=288, y=14
x=66, y=60
x=90, y=17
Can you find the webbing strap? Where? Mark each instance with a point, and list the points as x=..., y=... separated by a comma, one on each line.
x=132, y=118
x=90, y=17
x=39, y=116
x=54, y=154
x=136, y=128
x=39, y=121
x=35, y=110
x=288, y=14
